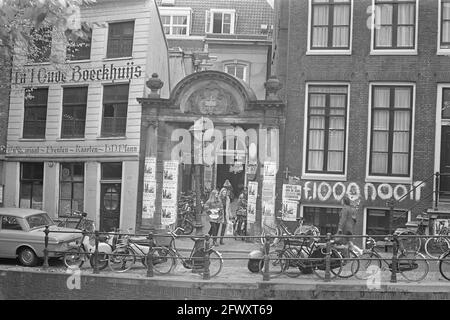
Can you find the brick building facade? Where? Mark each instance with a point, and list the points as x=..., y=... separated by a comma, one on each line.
x=365, y=84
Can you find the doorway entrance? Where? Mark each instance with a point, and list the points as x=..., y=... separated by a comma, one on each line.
x=233, y=173
x=444, y=188
x=110, y=206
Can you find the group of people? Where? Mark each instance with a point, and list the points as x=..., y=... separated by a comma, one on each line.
x=222, y=209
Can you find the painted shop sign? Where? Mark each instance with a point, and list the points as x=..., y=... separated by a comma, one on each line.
x=324, y=191
x=76, y=73
x=76, y=149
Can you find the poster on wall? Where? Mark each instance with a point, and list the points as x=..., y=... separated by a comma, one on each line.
x=440, y=224
x=169, y=193
x=149, y=190
x=251, y=201
x=268, y=202
x=270, y=170
x=168, y=214
x=289, y=210
x=292, y=192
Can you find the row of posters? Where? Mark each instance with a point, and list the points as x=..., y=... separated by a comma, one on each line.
x=149, y=194
x=169, y=193
x=251, y=201
x=268, y=193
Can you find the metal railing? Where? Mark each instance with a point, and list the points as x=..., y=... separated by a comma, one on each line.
x=328, y=243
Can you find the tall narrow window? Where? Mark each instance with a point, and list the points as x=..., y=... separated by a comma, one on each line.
x=40, y=45
x=445, y=24
x=74, y=112
x=71, y=188
x=330, y=24
x=390, y=150
x=120, y=39
x=35, y=113
x=327, y=114
x=115, y=105
x=395, y=24
x=80, y=47
x=31, y=185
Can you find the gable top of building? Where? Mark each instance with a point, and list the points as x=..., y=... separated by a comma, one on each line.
x=252, y=17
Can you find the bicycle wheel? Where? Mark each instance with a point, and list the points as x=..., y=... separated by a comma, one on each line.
x=74, y=258
x=349, y=267
x=435, y=247
x=410, y=244
x=275, y=264
x=215, y=263
x=413, y=266
x=289, y=263
x=319, y=266
x=163, y=260
x=122, y=259
x=368, y=266
x=444, y=266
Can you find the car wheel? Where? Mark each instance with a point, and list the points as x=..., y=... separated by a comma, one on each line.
x=27, y=257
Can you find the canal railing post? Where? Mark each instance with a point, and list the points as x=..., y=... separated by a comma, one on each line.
x=328, y=259
x=96, y=253
x=266, y=276
x=394, y=266
x=206, y=259
x=46, y=232
x=150, y=255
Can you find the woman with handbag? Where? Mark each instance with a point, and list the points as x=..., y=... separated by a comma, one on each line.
x=214, y=209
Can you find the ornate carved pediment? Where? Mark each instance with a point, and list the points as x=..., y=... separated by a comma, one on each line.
x=212, y=99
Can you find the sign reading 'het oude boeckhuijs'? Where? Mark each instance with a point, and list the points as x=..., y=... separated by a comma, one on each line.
x=76, y=73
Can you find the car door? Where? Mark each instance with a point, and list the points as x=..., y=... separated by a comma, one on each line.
x=11, y=232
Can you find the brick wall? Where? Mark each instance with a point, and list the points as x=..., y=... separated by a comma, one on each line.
x=295, y=69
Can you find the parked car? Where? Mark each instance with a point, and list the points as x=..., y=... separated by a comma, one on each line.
x=22, y=235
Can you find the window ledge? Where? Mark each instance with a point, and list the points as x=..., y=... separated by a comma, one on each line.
x=389, y=179
x=79, y=61
x=443, y=52
x=388, y=52
x=119, y=58
x=32, y=140
x=111, y=138
x=333, y=52
x=29, y=64
x=70, y=139
x=324, y=177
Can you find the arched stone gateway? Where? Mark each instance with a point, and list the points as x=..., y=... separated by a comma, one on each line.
x=172, y=146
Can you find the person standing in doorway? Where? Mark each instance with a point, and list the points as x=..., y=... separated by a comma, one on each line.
x=214, y=209
x=347, y=221
x=225, y=198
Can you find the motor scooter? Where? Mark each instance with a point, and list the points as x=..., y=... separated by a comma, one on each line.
x=81, y=250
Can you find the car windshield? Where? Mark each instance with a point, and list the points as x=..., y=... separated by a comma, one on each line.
x=39, y=220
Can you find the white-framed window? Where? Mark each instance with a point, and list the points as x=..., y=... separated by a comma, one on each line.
x=326, y=127
x=391, y=131
x=238, y=69
x=444, y=27
x=394, y=27
x=377, y=221
x=220, y=21
x=176, y=21
x=330, y=26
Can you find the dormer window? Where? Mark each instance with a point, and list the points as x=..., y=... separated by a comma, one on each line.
x=220, y=21
x=176, y=21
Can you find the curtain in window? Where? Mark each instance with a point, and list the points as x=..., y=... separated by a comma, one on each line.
x=383, y=25
x=341, y=18
x=400, y=148
x=445, y=22
x=320, y=26
x=380, y=143
x=405, y=31
x=336, y=134
x=316, y=143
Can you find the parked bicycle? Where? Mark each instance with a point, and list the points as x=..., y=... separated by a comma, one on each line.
x=195, y=261
x=437, y=246
x=281, y=230
x=77, y=219
x=128, y=250
x=412, y=265
x=413, y=243
x=444, y=265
